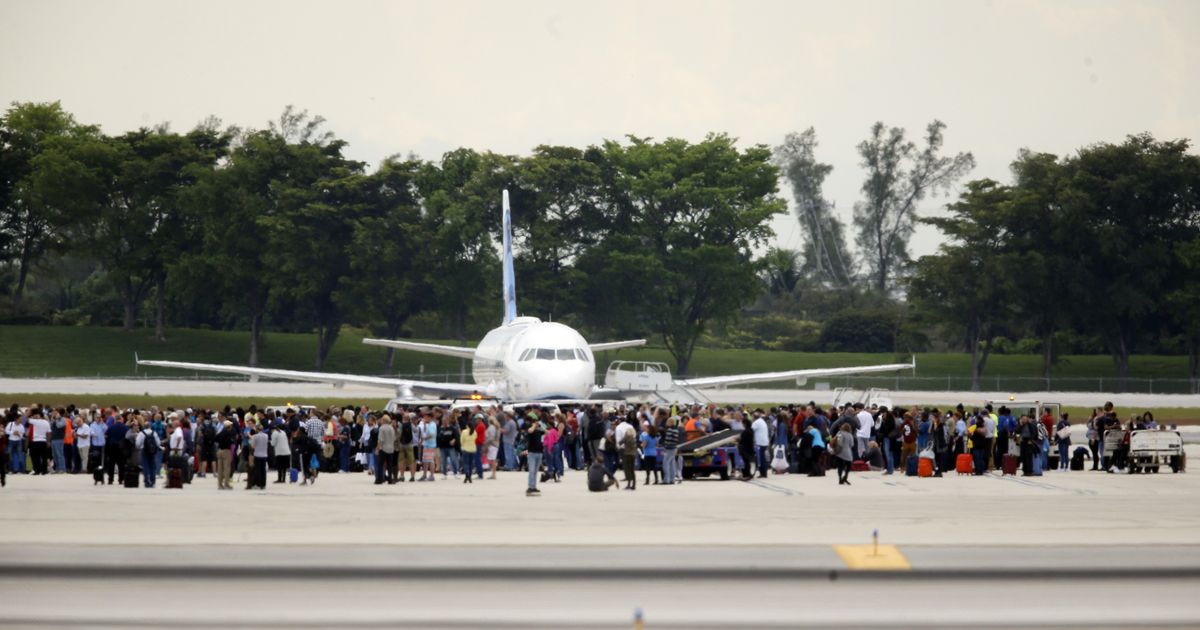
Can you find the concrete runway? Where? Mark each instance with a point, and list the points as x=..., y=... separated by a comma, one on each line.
x=1064, y=550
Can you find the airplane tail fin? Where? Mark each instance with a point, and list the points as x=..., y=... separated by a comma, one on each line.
x=510, y=281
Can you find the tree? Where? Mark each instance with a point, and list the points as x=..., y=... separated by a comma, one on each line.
x=686, y=217
x=386, y=282
x=781, y=271
x=1184, y=303
x=968, y=285
x=898, y=176
x=555, y=217
x=33, y=137
x=1046, y=234
x=826, y=256
x=1140, y=200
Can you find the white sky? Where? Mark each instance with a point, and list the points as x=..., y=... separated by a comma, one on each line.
x=395, y=77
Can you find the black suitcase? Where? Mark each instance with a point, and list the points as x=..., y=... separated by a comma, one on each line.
x=132, y=477
x=175, y=478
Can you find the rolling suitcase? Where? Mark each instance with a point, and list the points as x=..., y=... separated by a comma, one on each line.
x=859, y=465
x=175, y=478
x=925, y=467
x=131, y=478
x=964, y=465
x=1037, y=465
x=910, y=466
x=96, y=464
x=1009, y=463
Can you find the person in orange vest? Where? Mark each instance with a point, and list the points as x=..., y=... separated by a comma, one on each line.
x=694, y=429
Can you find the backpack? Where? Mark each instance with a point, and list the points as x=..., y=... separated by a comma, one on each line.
x=209, y=433
x=406, y=433
x=1041, y=431
x=150, y=443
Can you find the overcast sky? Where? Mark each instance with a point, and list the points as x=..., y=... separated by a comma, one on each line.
x=426, y=77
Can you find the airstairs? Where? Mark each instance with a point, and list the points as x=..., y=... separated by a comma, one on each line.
x=649, y=381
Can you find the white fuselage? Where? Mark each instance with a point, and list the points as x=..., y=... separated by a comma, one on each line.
x=528, y=359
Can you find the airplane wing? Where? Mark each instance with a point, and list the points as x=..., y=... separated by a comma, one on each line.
x=432, y=348
x=800, y=376
x=614, y=345
x=337, y=380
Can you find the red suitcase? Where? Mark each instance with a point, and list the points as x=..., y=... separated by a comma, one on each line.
x=964, y=465
x=1010, y=463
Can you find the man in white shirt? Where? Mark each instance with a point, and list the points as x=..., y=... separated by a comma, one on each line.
x=39, y=449
x=762, y=441
x=177, y=441
x=865, y=424
x=83, y=442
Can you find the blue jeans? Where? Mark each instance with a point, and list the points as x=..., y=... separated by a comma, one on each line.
x=148, y=475
x=478, y=461
x=1046, y=454
x=16, y=456
x=760, y=459
x=510, y=455
x=887, y=454
x=372, y=461
x=535, y=462
x=449, y=459
x=471, y=464
x=668, y=465
x=60, y=460
x=1063, y=447
x=343, y=450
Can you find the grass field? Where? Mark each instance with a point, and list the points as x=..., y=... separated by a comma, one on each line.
x=32, y=351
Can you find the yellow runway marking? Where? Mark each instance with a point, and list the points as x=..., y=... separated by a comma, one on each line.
x=862, y=557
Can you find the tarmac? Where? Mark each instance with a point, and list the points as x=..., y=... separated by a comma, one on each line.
x=1068, y=549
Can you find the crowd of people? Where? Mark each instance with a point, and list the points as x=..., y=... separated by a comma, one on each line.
x=139, y=447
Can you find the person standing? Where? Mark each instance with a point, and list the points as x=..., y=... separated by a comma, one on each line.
x=762, y=443
x=225, y=440
x=533, y=454
x=283, y=452
x=148, y=447
x=39, y=450
x=908, y=439
x=114, y=438
x=1063, y=434
x=259, y=443
x=83, y=444
x=866, y=424
x=385, y=449
x=669, y=446
x=649, y=440
x=58, y=434
x=406, y=451
x=15, y=431
x=480, y=438
x=429, y=452
x=508, y=439
x=315, y=430
x=470, y=450
x=208, y=446
x=843, y=454
x=491, y=441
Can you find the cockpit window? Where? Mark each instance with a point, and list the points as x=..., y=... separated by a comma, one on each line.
x=566, y=354
x=525, y=354
x=545, y=354
x=579, y=354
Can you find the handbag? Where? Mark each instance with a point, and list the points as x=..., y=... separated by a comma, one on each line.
x=1064, y=432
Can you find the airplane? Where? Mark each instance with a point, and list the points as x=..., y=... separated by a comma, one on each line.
x=523, y=359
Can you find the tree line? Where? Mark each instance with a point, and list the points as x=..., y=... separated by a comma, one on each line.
x=275, y=228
